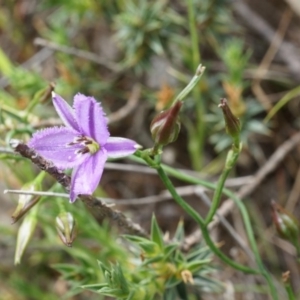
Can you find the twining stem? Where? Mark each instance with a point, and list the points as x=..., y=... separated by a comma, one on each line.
x=206, y=235
x=187, y=178
x=169, y=185
x=165, y=179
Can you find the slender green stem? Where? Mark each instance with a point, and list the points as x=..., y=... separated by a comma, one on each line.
x=289, y=291
x=217, y=196
x=38, y=96
x=144, y=156
x=193, y=32
x=253, y=245
x=194, y=81
x=187, y=178
x=16, y=114
x=230, y=162
x=223, y=257
x=169, y=185
x=283, y=101
x=196, y=136
x=165, y=179
x=246, y=220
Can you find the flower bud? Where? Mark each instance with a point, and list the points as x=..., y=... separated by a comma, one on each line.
x=233, y=126
x=25, y=203
x=65, y=225
x=286, y=224
x=165, y=126
x=24, y=234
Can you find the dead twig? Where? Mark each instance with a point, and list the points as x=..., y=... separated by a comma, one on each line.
x=128, y=108
x=295, y=5
x=267, y=59
x=287, y=52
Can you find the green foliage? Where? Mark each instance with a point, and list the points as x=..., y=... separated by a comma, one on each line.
x=161, y=270
x=144, y=28
x=21, y=79
x=236, y=60
x=156, y=234
x=214, y=20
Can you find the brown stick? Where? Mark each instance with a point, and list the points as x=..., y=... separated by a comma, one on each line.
x=95, y=204
x=287, y=52
x=267, y=59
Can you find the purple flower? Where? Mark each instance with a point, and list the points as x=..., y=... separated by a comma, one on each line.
x=83, y=144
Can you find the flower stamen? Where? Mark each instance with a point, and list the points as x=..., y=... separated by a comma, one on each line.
x=83, y=151
x=89, y=145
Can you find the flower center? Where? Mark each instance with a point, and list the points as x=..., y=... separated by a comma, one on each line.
x=89, y=145
x=93, y=146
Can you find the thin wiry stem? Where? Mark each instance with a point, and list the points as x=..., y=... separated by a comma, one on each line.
x=163, y=196
x=6, y=151
x=228, y=226
x=194, y=214
x=197, y=133
x=37, y=193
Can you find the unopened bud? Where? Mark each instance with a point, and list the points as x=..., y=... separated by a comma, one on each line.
x=47, y=92
x=26, y=202
x=24, y=234
x=233, y=126
x=65, y=225
x=286, y=224
x=165, y=126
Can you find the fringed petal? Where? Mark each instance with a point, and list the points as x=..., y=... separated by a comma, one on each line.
x=86, y=177
x=65, y=111
x=53, y=144
x=91, y=118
